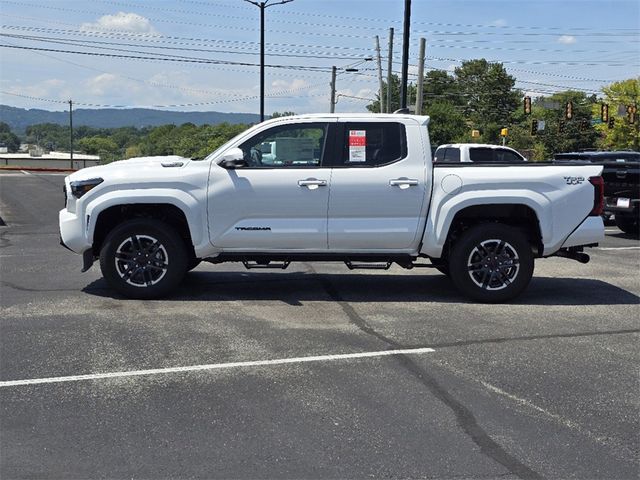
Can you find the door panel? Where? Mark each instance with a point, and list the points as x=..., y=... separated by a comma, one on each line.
x=268, y=209
x=279, y=199
x=378, y=206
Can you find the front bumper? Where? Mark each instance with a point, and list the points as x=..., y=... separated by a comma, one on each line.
x=72, y=232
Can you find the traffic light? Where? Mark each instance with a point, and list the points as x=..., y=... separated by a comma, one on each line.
x=604, y=112
x=527, y=105
x=631, y=113
x=611, y=123
x=568, y=111
x=561, y=126
x=534, y=127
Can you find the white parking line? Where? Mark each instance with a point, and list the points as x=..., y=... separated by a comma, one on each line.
x=214, y=366
x=617, y=248
x=25, y=172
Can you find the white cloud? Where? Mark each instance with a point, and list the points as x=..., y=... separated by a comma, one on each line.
x=567, y=39
x=52, y=89
x=124, y=22
x=500, y=22
x=295, y=84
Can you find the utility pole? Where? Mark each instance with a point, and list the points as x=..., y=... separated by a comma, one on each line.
x=262, y=6
x=405, y=53
x=419, y=93
x=71, y=132
x=332, y=107
x=379, y=74
x=389, y=70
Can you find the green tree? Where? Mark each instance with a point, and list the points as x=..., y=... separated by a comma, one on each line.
x=374, y=106
x=488, y=96
x=440, y=87
x=623, y=135
x=447, y=125
x=282, y=114
x=8, y=138
x=577, y=133
x=95, y=145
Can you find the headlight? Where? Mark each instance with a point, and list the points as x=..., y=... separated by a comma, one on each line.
x=80, y=187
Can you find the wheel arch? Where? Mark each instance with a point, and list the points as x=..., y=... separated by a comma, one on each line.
x=110, y=217
x=520, y=215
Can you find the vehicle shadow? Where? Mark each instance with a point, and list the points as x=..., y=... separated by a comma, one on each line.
x=297, y=287
x=624, y=235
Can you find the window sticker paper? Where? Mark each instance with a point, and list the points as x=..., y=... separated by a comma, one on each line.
x=357, y=145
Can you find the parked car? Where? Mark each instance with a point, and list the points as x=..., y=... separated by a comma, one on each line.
x=621, y=176
x=476, y=153
x=363, y=190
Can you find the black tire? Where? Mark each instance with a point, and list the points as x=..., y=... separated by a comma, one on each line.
x=629, y=224
x=193, y=263
x=441, y=265
x=491, y=263
x=143, y=258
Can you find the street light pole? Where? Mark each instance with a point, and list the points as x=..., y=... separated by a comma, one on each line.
x=71, y=133
x=262, y=6
x=348, y=69
x=405, y=53
x=332, y=106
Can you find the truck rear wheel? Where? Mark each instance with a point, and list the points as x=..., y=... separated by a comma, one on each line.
x=491, y=263
x=628, y=223
x=143, y=258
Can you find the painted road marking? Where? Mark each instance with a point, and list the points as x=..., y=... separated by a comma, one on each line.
x=215, y=366
x=617, y=248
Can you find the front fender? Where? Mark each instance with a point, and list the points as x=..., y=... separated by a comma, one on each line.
x=188, y=204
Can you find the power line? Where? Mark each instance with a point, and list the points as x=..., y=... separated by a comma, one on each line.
x=170, y=58
x=386, y=21
x=326, y=34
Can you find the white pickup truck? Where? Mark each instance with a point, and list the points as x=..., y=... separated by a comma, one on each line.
x=363, y=190
x=477, y=153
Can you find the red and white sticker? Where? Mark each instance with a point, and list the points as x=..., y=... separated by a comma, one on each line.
x=357, y=145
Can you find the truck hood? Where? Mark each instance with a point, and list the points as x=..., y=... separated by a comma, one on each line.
x=133, y=166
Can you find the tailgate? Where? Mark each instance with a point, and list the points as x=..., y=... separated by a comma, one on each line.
x=622, y=179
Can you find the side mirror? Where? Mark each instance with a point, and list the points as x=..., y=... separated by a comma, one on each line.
x=233, y=159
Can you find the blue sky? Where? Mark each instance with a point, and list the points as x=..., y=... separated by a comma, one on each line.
x=547, y=45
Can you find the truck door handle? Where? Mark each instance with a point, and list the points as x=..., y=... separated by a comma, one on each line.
x=312, y=183
x=403, y=182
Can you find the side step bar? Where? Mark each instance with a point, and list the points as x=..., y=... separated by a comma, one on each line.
x=276, y=265
x=367, y=266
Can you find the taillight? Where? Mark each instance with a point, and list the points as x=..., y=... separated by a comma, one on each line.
x=598, y=196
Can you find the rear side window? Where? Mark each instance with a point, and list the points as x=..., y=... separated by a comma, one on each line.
x=507, y=156
x=452, y=155
x=373, y=144
x=447, y=154
x=481, y=155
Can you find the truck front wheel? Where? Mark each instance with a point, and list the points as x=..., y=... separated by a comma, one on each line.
x=491, y=263
x=143, y=258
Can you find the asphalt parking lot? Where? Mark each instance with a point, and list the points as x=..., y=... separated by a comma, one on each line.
x=407, y=379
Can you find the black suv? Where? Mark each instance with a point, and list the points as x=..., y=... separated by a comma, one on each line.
x=621, y=184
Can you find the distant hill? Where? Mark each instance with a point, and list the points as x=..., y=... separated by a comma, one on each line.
x=20, y=118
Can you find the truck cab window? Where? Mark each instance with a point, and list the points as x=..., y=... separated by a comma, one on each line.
x=373, y=144
x=447, y=154
x=286, y=146
x=481, y=155
x=507, y=156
